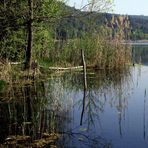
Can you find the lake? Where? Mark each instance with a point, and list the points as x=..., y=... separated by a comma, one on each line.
x=112, y=112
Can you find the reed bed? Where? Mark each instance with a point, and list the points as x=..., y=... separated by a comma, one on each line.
x=99, y=52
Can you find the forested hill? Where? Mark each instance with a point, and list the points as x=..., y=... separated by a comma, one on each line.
x=140, y=26
x=81, y=22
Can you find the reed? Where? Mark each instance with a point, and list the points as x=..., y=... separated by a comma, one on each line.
x=5, y=71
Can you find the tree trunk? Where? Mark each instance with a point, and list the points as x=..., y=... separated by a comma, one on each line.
x=30, y=36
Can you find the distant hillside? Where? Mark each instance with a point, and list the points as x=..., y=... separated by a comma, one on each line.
x=139, y=22
x=80, y=22
x=139, y=26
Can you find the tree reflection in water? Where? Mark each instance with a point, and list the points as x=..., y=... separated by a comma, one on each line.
x=24, y=113
x=55, y=106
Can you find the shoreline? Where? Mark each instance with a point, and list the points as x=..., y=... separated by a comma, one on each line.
x=136, y=42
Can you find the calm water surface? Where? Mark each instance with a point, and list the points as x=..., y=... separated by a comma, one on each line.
x=113, y=112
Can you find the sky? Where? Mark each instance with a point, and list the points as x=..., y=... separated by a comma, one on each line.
x=131, y=7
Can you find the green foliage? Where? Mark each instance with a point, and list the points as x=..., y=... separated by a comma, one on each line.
x=12, y=35
x=43, y=42
x=138, y=35
x=13, y=47
x=14, y=17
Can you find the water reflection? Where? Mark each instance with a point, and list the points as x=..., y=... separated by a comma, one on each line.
x=140, y=54
x=111, y=90
x=55, y=106
x=24, y=112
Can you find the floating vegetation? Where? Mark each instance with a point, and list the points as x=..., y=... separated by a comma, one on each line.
x=26, y=141
x=47, y=139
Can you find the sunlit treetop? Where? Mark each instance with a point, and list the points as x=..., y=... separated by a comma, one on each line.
x=92, y=5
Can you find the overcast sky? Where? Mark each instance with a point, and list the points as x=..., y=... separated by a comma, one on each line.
x=135, y=7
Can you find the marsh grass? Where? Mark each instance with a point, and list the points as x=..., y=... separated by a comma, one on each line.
x=5, y=71
x=99, y=52
x=13, y=74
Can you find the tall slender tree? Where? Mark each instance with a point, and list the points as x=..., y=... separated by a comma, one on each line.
x=28, y=55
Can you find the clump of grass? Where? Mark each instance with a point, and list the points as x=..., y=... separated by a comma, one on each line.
x=14, y=73
x=5, y=71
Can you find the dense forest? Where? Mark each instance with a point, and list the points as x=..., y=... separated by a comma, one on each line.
x=140, y=27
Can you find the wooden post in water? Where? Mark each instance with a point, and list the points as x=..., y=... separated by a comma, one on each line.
x=85, y=85
x=84, y=69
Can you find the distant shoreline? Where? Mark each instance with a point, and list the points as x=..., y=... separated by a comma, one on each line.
x=140, y=41
x=137, y=42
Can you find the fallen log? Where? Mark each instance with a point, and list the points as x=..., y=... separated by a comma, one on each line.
x=72, y=68
x=65, y=68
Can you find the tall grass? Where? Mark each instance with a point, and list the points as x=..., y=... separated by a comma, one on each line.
x=99, y=52
x=5, y=71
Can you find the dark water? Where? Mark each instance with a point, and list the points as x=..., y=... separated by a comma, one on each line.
x=140, y=54
x=114, y=112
